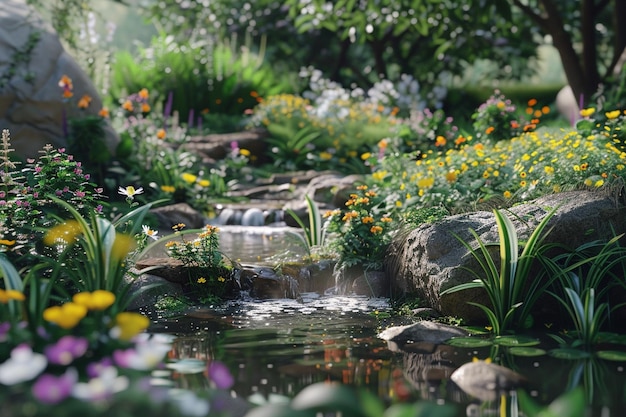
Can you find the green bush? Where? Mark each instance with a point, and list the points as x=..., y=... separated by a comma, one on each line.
x=193, y=79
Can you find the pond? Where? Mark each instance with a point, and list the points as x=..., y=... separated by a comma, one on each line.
x=275, y=348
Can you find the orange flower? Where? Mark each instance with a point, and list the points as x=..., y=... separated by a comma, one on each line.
x=440, y=141
x=128, y=105
x=145, y=108
x=66, y=82
x=104, y=112
x=143, y=93
x=490, y=130
x=161, y=134
x=84, y=102
x=532, y=102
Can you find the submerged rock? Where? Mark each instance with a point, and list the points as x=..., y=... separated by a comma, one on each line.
x=485, y=380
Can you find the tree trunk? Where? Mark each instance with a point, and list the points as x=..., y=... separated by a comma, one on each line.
x=552, y=24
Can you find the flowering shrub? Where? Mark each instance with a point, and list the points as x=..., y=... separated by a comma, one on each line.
x=153, y=150
x=360, y=233
x=522, y=168
x=498, y=118
x=26, y=195
x=608, y=124
x=207, y=266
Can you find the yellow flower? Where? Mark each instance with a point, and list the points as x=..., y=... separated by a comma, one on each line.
x=130, y=324
x=244, y=152
x=426, y=182
x=8, y=295
x=548, y=170
x=189, y=178
x=379, y=175
x=122, y=246
x=507, y=194
x=587, y=112
x=204, y=183
x=201, y=280
x=97, y=300
x=612, y=114
x=451, y=176
x=7, y=242
x=221, y=279
x=64, y=233
x=168, y=189
x=598, y=183
x=66, y=316
x=326, y=156
x=366, y=156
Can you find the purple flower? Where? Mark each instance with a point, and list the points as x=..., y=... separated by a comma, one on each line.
x=4, y=330
x=80, y=193
x=94, y=369
x=220, y=375
x=66, y=349
x=50, y=389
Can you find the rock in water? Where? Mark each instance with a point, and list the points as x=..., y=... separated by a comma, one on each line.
x=485, y=380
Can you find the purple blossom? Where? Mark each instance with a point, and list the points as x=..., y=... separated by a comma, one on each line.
x=94, y=369
x=66, y=349
x=50, y=389
x=38, y=169
x=220, y=375
x=4, y=330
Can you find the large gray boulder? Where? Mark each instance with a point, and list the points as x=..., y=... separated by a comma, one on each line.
x=429, y=259
x=31, y=103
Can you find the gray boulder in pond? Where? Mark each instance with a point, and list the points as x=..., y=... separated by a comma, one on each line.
x=429, y=259
x=485, y=380
x=31, y=103
x=422, y=331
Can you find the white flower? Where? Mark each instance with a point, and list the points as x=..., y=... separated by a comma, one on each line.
x=101, y=387
x=149, y=232
x=23, y=365
x=129, y=191
x=189, y=403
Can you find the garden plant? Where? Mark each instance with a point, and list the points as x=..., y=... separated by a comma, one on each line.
x=68, y=244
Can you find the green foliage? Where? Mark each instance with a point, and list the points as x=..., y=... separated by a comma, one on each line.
x=314, y=233
x=511, y=290
x=361, y=232
x=586, y=276
x=208, y=268
x=201, y=77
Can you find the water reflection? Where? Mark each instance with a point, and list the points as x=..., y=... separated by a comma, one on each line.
x=278, y=347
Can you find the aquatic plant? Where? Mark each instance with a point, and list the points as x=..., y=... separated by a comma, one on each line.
x=586, y=276
x=511, y=290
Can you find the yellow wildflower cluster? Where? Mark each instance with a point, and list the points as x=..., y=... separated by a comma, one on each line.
x=526, y=167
